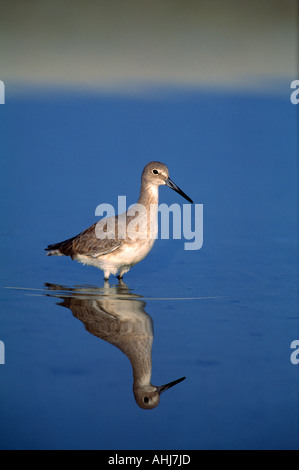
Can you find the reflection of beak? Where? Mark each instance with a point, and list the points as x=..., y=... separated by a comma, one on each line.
x=173, y=186
x=162, y=388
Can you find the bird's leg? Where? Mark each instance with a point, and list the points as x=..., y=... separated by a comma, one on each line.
x=123, y=270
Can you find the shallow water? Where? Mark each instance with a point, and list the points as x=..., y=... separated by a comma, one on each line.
x=223, y=316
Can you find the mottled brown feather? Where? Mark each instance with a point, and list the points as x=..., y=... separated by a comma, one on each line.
x=87, y=242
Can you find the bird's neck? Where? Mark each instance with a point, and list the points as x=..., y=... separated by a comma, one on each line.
x=149, y=199
x=149, y=194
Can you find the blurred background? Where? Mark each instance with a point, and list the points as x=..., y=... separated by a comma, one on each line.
x=94, y=90
x=128, y=46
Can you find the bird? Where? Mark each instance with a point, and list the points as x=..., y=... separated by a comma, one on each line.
x=116, y=315
x=115, y=244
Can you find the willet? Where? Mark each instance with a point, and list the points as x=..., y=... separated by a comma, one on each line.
x=116, y=315
x=111, y=245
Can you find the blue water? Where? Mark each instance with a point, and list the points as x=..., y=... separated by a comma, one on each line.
x=223, y=316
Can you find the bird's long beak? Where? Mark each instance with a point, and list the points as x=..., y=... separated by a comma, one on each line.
x=173, y=186
x=162, y=388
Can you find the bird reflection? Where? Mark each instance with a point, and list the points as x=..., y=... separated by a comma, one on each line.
x=116, y=315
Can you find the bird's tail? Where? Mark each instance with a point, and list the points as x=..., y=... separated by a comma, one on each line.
x=61, y=248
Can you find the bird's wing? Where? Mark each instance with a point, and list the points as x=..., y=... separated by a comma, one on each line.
x=101, y=238
x=98, y=240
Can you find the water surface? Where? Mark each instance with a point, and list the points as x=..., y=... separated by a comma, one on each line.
x=223, y=316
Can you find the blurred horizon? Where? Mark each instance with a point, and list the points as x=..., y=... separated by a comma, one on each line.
x=136, y=46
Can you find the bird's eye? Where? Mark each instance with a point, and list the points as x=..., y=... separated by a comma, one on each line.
x=146, y=399
x=155, y=172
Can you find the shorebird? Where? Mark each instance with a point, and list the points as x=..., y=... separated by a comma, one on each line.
x=111, y=244
x=116, y=315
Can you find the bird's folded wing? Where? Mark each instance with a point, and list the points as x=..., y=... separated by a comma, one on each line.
x=89, y=243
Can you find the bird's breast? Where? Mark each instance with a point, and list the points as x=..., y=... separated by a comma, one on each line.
x=132, y=253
